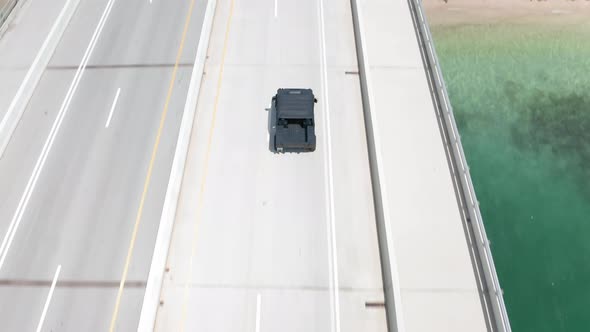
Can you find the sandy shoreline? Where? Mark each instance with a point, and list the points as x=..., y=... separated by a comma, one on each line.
x=455, y=12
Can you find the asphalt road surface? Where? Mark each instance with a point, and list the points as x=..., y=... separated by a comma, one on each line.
x=74, y=174
x=273, y=242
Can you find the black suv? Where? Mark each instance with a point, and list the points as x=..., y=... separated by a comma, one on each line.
x=292, y=121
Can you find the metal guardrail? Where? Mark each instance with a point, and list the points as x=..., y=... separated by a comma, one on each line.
x=462, y=177
x=6, y=9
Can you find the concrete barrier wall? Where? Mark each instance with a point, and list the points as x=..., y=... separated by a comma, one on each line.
x=151, y=298
x=392, y=299
x=6, y=7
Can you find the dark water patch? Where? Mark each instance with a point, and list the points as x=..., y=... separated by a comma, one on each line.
x=558, y=123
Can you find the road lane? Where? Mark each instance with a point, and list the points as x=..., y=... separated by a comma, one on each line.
x=263, y=227
x=22, y=153
x=82, y=211
x=65, y=106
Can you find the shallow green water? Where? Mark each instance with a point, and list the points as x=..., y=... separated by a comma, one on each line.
x=521, y=96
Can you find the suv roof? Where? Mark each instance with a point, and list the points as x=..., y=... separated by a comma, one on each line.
x=295, y=104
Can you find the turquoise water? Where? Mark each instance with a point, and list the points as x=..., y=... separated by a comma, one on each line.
x=521, y=96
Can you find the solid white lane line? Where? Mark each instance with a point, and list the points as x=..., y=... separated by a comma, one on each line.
x=328, y=167
x=113, y=108
x=276, y=8
x=48, y=300
x=258, y=304
x=25, y=91
x=24, y=201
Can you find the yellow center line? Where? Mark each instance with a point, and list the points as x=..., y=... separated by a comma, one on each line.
x=150, y=169
x=206, y=167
